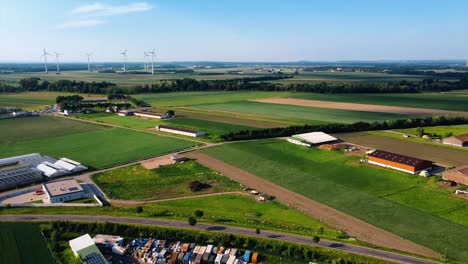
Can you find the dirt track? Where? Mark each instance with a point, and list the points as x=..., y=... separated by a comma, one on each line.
x=360, y=107
x=336, y=219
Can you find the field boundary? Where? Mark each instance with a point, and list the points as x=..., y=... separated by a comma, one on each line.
x=359, y=107
x=355, y=227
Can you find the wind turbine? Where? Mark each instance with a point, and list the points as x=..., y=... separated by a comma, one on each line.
x=152, y=60
x=89, y=64
x=45, y=60
x=124, y=60
x=146, y=60
x=57, y=59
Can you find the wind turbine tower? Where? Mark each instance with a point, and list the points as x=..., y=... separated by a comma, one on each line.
x=57, y=60
x=146, y=60
x=89, y=64
x=124, y=60
x=45, y=60
x=152, y=61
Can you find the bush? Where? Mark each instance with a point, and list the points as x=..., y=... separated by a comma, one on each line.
x=192, y=221
x=257, y=231
x=199, y=213
x=139, y=209
x=316, y=239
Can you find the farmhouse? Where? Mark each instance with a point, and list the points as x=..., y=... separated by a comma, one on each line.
x=398, y=162
x=147, y=114
x=459, y=175
x=62, y=191
x=180, y=131
x=312, y=139
x=84, y=248
x=459, y=141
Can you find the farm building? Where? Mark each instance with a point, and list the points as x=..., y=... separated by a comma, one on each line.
x=312, y=139
x=84, y=248
x=62, y=191
x=60, y=167
x=398, y=162
x=147, y=114
x=459, y=141
x=180, y=131
x=459, y=175
x=125, y=113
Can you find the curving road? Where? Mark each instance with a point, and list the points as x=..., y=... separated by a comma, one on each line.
x=389, y=256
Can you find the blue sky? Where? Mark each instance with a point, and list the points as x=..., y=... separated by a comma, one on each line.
x=237, y=30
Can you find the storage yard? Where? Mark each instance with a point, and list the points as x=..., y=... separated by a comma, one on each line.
x=157, y=251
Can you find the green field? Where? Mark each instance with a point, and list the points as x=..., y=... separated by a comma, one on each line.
x=127, y=121
x=138, y=183
x=444, y=101
x=409, y=206
x=210, y=127
x=438, y=130
x=302, y=113
x=34, y=100
x=22, y=243
x=99, y=147
x=229, y=209
x=197, y=98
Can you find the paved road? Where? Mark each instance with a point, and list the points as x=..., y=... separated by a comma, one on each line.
x=225, y=229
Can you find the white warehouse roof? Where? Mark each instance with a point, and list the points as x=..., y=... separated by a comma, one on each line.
x=63, y=164
x=81, y=242
x=315, y=137
x=47, y=170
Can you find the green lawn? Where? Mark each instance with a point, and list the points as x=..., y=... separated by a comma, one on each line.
x=444, y=101
x=409, y=206
x=124, y=121
x=42, y=127
x=138, y=183
x=196, y=98
x=22, y=243
x=306, y=114
x=98, y=148
x=229, y=209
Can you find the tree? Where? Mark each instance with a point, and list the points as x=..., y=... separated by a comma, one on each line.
x=321, y=230
x=316, y=239
x=170, y=113
x=257, y=231
x=420, y=131
x=139, y=209
x=199, y=213
x=192, y=221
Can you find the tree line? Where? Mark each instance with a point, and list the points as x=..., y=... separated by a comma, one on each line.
x=75, y=102
x=344, y=128
x=58, y=232
x=244, y=84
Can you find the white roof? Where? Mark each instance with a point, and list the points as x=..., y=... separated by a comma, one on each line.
x=47, y=170
x=316, y=137
x=65, y=165
x=81, y=242
x=71, y=161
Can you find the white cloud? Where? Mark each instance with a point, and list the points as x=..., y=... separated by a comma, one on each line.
x=81, y=23
x=101, y=10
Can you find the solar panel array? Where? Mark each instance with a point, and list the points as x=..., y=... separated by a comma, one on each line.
x=402, y=159
x=95, y=258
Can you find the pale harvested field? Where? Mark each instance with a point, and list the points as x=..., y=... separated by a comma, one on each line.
x=157, y=162
x=332, y=217
x=360, y=107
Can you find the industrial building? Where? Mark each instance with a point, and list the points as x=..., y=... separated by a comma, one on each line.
x=84, y=248
x=180, y=131
x=312, y=139
x=147, y=114
x=459, y=175
x=398, y=162
x=459, y=141
x=62, y=191
x=125, y=113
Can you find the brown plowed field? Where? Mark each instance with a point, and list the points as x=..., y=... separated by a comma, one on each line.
x=331, y=217
x=360, y=107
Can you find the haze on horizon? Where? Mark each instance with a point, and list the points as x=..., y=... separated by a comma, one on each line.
x=249, y=31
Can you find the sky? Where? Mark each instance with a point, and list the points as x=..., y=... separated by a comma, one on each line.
x=236, y=30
